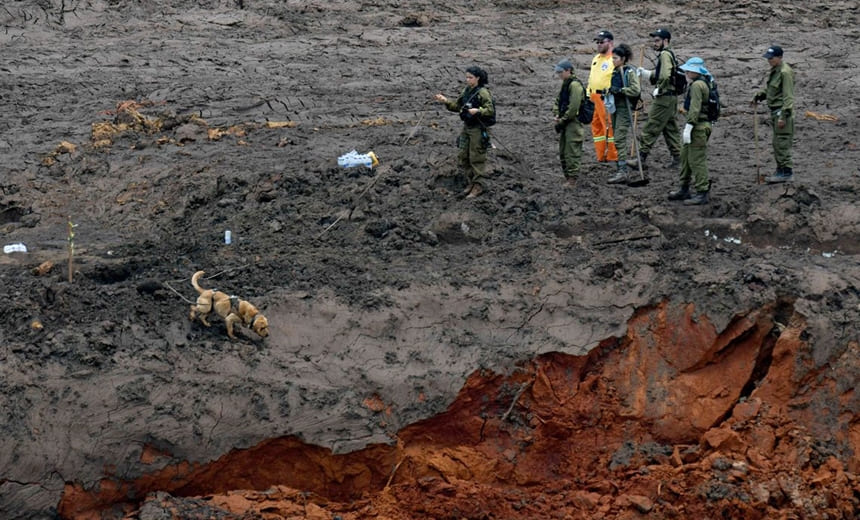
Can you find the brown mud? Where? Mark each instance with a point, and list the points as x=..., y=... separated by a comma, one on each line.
x=537, y=352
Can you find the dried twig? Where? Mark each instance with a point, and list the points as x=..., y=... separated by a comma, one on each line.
x=71, y=248
x=519, y=394
x=628, y=238
x=186, y=300
x=219, y=273
x=382, y=170
x=393, y=471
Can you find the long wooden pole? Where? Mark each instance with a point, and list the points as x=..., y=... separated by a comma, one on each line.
x=633, y=145
x=758, y=179
x=71, y=249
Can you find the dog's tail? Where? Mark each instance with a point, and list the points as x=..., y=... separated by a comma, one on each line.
x=194, y=279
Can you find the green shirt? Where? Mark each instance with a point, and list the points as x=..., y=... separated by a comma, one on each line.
x=576, y=92
x=664, y=80
x=698, y=94
x=780, y=89
x=482, y=100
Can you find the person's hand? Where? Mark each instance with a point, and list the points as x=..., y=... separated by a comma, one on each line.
x=441, y=98
x=688, y=134
x=643, y=73
x=780, y=123
x=615, y=89
x=473, y=111
x=559, y=126
x=656, y=91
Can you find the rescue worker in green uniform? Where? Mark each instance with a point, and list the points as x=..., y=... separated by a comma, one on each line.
x=779, y=94
x=624, y=89
x=475, y=105
x=571, y=132
x=664, y=109
x=697, y=131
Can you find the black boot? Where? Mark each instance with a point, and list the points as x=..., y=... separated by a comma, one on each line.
x=781, y=175
x=634, y=163
x=701, y=197
x=620, y=176
x=681, y=194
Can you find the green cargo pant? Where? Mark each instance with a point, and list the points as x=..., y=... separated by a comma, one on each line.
x=570, y=149
x=694, y=158
x=782, y=140
x=662, y=120
x=621, y=123
x=473, y=153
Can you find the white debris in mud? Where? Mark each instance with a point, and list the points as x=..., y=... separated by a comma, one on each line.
x=713, y=236
x=15, y=248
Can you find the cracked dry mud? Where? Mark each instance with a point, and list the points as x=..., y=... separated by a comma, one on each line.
x=534, y=353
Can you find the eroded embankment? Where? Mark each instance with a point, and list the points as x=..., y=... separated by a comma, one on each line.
x=674, y=419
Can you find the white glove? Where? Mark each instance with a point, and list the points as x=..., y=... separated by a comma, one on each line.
x=656, y=91
x=643, y=73
x=688, y=134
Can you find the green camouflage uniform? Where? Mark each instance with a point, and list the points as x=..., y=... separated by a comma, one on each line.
x=624, y=106
x=780, y=100
x=694, y=156
x=572, y=132
x=663, y=112
x=474, y=140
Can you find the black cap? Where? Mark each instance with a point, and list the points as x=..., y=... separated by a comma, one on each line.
x=773, y=50
x=662, y=33
x=603, y=35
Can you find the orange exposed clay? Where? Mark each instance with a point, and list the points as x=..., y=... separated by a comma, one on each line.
x=674, y=420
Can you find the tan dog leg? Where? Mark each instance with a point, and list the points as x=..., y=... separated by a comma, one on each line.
x=230, y=320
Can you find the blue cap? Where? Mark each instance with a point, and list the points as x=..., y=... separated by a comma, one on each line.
x=695, y=64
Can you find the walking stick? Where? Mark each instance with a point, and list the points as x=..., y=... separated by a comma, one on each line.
x=635, y=144
x=755, y=137
x=636, y=115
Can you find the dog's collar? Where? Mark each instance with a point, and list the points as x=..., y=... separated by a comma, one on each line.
x=254, y=319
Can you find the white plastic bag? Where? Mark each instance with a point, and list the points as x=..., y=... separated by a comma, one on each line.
x=353, y=158
x=15, y=248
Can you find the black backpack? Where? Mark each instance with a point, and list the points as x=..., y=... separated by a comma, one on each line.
x=490, y=120
x=713, y=108
x=678, y=79
x=585, y=114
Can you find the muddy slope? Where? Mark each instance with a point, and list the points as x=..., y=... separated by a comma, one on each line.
x=186, y=119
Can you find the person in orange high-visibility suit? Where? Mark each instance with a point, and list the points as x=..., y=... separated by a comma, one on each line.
x=599, y=79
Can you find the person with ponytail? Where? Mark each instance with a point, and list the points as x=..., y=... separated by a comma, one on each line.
x=625, y=90
x=477, y=110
